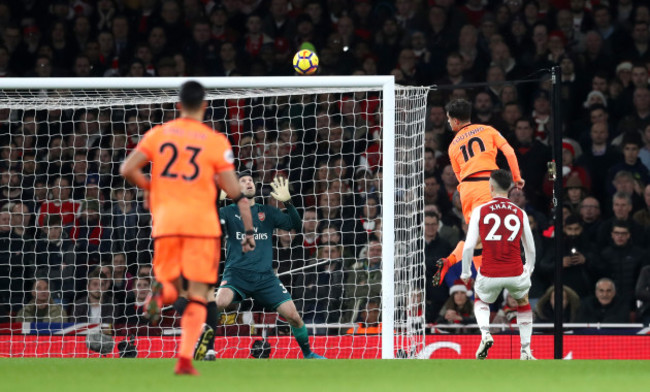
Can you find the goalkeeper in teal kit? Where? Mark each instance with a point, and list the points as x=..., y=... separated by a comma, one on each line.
x=250, y=275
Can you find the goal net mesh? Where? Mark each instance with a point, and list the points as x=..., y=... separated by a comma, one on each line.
x=75, y=263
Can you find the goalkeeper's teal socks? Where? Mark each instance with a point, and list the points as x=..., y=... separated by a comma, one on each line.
x=302, y=337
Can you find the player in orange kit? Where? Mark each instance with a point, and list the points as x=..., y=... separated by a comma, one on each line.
x=473, y=153
x=186, y=157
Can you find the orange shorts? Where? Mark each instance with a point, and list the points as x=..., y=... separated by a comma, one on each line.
x=196, y=259
x=472, y=194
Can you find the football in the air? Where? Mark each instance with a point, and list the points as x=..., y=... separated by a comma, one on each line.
x=305, y=62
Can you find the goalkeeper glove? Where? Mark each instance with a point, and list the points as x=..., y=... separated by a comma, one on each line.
x=281, y=190
x=222, y=195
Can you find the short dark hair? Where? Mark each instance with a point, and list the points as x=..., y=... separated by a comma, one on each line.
x=528, y=120
x=632, y=137
x=621, y=224
x=431, y=214
x=53, y=220
x=459, y=109
x=191, y=95
x=598, y=106
x=572, y=220
x=502, y=178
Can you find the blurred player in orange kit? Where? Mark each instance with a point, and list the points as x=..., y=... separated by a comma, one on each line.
x=473, y=153
x=186, y=156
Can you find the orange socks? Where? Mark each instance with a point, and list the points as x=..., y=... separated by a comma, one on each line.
x=478, y=260
x=457, y=254
x=191, y=326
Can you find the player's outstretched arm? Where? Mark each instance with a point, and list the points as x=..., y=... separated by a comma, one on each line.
x=528, y=242
x=280, y=192
x=510, y=155
x=131, y=169
x=229, y=183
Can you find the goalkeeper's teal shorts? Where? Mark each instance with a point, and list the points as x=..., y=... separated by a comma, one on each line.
x=264, y=287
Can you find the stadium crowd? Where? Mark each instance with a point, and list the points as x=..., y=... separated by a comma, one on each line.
x=75, y=241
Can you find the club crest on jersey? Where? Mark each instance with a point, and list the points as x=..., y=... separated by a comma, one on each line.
x=261, y=216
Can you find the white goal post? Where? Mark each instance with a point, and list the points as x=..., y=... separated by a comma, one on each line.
x=400, y=117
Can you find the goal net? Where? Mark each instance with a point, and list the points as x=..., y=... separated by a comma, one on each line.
x=75, y=259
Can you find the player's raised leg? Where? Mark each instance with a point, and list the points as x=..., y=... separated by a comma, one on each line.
x=290, y=313
x=525, y=324
x=167, y=270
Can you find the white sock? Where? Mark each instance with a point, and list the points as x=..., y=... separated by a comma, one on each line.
x=482, y=313
x=525, y=323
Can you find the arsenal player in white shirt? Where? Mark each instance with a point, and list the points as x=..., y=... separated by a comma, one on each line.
x=501, y=225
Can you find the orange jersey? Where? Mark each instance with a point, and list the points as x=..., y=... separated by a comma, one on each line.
x=186, y=155
x=474, y=150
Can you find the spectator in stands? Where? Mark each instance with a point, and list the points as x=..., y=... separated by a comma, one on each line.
x=365, y=223
x=589, y=210
x=6, y=271
x=363, y=278
x=621, y=211
x=640, y=118
x=532, y=156
x=20, y=252
x=435, y=248
x=97, y=307
x=630, y=145
x=41, y=309
x=449, y=228
x=454, y=68
x=121, y=278
x=370, y=317
x=55, y=258
x=12, y=188
x=507, y=313
x=135, y=301
x=622, y=261
x=331, y=209
x=578, y=258
x=605, y=306
x=200, y=52
x=638, y=49
x=449, y=181
x=309, y=231
x=598, y=156
x=545, y=308
x=434, y=194
x=458, y=309
x=625, y=182
x=88, y=231
x=320, y=287
x=483, y=111
x=59, y=202
x=574, y=193
x=541, y=115
x=125, y=220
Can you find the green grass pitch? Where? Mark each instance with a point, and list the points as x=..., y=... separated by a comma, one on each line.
x=155, y=375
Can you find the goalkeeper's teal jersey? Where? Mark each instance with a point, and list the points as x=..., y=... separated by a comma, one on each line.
x=265, y=219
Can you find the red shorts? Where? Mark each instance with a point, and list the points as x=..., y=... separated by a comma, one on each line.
x=196, y=259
